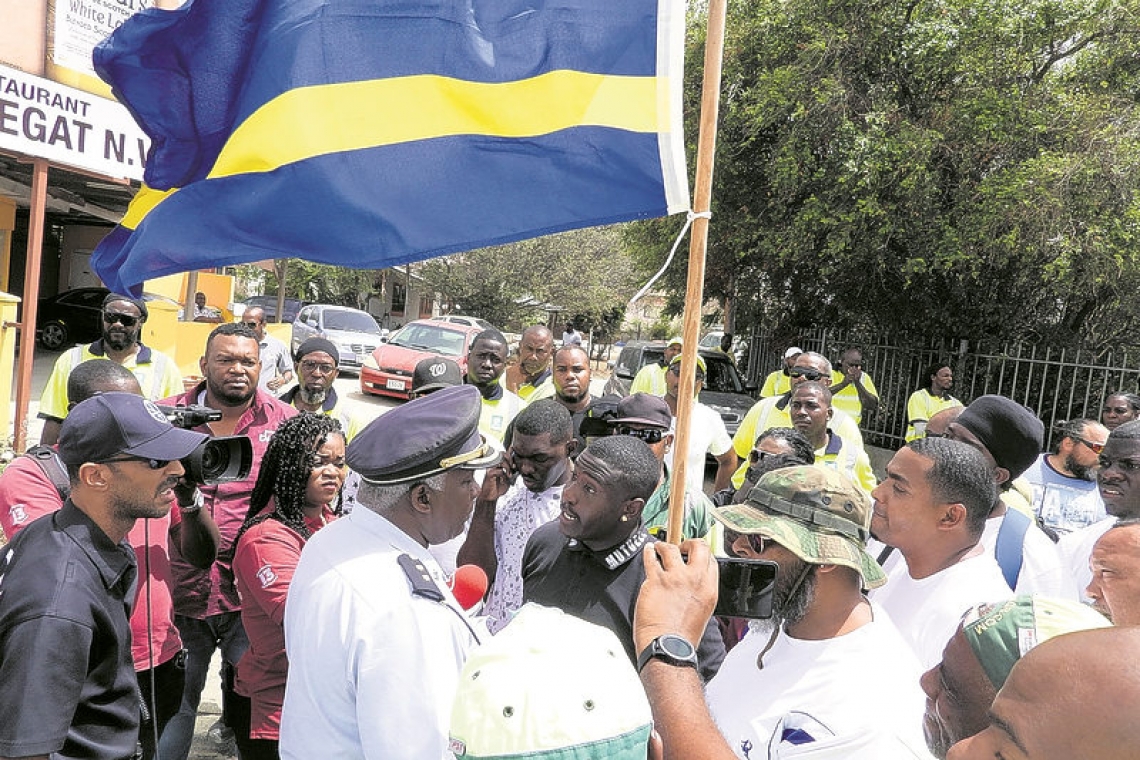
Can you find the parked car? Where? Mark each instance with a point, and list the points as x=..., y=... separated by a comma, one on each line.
x=724, y=390
x=388, y=371
x=75, y=316
x=354, y=332
x=269, y=305
x=461, y=319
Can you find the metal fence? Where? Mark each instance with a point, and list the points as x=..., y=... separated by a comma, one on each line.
x=1057, y=383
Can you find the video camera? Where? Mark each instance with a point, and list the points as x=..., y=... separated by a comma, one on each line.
x=217, y=460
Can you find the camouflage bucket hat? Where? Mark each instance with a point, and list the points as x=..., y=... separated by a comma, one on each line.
x=816, y=513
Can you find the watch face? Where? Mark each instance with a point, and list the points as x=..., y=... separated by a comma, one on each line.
x=677, y=647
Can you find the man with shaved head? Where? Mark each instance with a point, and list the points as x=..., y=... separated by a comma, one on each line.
x=530, y=378
x=1115, y=565
x=1072, y=697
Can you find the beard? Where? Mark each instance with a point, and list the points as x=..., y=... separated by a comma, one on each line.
x=312, y=397
x=119, y=340
x=1079, y=470
x=788, y=607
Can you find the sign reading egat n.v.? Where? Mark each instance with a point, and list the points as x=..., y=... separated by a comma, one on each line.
x=69, y=127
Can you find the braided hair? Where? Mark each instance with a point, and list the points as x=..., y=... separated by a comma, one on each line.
x=285, y=469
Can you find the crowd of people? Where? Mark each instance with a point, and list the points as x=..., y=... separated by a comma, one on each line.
x=480, y=573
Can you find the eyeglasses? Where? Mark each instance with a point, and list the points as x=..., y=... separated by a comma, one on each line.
x=324, y=369
x=756, y=455
x=676, y=370
x=111, y=317
x=755, y=541
x=649, y=435
x=252, y=325
x=154, y=464
x=1095, y=447
x=808, y=372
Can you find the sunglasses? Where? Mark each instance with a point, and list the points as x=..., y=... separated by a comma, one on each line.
x=649, y=435
x=252, y=325
x=324, y=369
x=755, y=542
x=676, y=370
x=1096, y=447
x=111, y=317
x=808, y=372
x=756, y=455
x=154, y=464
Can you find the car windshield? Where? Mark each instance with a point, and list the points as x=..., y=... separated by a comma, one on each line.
x=352, y=321
x=432, y=338
x=720, y=376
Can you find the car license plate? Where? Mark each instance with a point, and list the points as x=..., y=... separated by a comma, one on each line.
x=395, y=385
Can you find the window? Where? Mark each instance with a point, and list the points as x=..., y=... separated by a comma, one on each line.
x=399, y=299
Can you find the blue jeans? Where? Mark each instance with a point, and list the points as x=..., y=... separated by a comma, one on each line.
x=200, y=638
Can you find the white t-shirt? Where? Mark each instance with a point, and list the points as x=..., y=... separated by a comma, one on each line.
x=707, y=435
x=1075, y=549
x=517, y=515
x=864, y=682
x=1060, y=501
x=928, y=611
x=1041, y=570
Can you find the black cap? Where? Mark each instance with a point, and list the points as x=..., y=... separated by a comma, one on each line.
x=138, y=303
x=434, y=373
x=643, y=409
x=424, y=437
x=112, y=424
x=312, y=345
x=1012, y=433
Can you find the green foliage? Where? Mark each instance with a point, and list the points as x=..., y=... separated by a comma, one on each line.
x=956, y=167
x=585, y=272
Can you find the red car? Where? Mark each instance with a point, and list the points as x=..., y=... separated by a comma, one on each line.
x=387, y=371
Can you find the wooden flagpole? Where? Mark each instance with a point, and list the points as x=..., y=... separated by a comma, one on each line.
x=698, y=243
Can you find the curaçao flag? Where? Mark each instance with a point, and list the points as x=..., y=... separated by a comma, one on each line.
x=371, y=133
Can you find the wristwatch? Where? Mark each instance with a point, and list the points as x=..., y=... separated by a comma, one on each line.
x=671, y=648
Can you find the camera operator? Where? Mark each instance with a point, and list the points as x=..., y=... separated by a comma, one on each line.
x=37, y=484
x=206, y=605
x=69, y=582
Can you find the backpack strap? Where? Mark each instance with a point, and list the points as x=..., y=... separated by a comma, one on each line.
x=1009, y=545
x=47, y=459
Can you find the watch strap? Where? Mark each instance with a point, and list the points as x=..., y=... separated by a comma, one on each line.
x=656, y=649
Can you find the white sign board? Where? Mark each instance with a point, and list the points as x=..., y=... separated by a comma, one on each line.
x=69, y=127
x=80, y=25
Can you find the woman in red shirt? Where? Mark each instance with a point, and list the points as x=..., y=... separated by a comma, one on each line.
x=297, y=493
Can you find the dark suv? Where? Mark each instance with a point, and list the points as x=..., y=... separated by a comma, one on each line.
x=724, y=389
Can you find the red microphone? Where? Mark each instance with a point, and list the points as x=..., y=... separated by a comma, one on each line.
x=468, y=583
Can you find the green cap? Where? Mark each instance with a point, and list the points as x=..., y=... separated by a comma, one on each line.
x=816, y=513
x=1000, y=634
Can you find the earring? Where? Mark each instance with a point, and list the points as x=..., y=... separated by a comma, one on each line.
x=625, y=518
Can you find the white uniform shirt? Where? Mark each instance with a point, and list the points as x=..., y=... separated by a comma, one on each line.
x=928, y=611
x=517, y=515
x=372, y=669
x=707, y=435
x=863, y=683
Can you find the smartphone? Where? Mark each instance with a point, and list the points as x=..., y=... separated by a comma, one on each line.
x=746, y=587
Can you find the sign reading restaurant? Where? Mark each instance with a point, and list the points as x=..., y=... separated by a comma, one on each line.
x=69, y=127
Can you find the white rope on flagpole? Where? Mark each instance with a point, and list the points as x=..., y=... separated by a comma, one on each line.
x=690, y=216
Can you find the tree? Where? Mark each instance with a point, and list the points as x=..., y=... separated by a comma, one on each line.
x=964, y=167
x=585, y=272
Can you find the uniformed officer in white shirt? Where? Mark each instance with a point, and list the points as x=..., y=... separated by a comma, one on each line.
x=375, y=638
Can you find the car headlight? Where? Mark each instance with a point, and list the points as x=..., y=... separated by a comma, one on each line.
x=370, y=362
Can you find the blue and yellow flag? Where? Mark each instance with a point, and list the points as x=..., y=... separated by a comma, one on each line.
x=372, y=133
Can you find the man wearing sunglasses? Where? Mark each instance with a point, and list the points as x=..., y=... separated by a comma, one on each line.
x=122, y=320
x=648, y=417
x=707, y=434
x=70, y=580
x=276, y=364
x=773, y=411
x=1061, y=478
x=826, y=651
